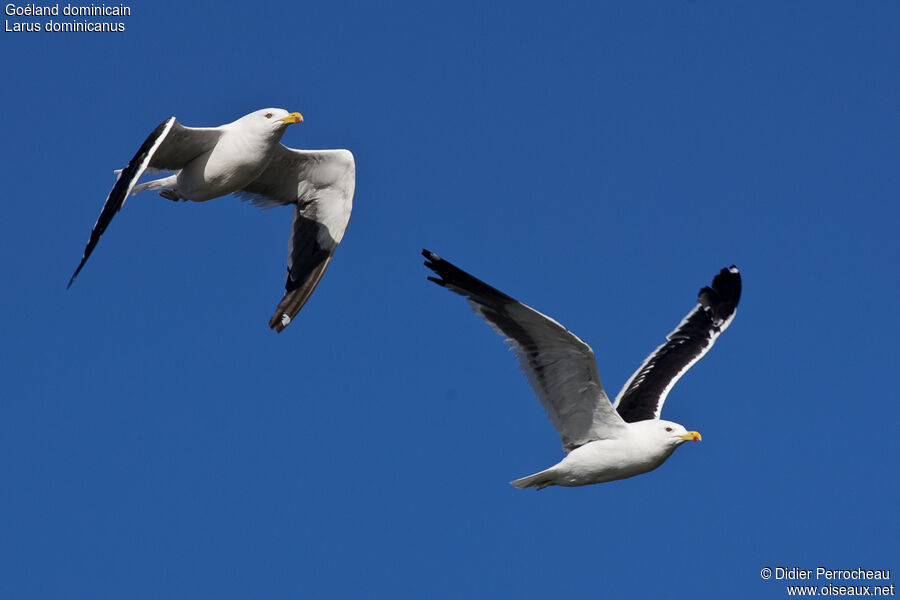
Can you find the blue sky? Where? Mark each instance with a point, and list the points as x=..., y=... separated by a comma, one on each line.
x=599, y=161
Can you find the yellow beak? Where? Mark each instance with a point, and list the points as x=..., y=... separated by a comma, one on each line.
x=691, y=436
x=294, y=117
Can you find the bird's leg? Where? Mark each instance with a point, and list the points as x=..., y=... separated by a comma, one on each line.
x=170, y=195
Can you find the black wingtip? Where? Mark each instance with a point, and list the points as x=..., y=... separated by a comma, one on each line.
x=455, y=279
x=75, y=274
x=723, y=295
x=119, y=192
x=728, y=284
x=431, y=257
x=92, y=243
x=447, y=273
x=297, y=292
x=432, y=263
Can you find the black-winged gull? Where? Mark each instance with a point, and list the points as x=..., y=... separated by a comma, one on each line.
x=604, y=441
x=245, y=158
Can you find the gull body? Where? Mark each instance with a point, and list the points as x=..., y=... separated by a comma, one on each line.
x=245, y=158
x=246, y=147
x=639, y=449
x=603, y=441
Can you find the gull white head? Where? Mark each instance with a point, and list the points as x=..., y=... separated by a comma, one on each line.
x=666, y=435
x=273, y=120
x=674, y=433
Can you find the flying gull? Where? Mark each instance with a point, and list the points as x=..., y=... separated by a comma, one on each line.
x=245, y=158
x=604, y=441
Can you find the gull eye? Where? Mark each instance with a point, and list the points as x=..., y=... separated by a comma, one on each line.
x=268, y=115
x=669, y=429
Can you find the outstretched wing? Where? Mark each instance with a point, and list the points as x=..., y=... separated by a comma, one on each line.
x=320, y=184
x=168, y=148
x=559, y=366
x=643, y=395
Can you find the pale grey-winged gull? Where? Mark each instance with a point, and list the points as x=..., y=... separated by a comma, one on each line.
x=246, y=158
x=604, y=441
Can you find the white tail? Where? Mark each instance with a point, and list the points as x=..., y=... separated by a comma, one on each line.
x=156, y=184
x=538, y=480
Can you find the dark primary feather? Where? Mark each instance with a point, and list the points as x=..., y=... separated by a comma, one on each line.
x=461, y=282
x=559, y=366
x=307, y=262
x=319, y=183
x=493, y=305
x=176, y=148
x=118, y=194
x=644, y=393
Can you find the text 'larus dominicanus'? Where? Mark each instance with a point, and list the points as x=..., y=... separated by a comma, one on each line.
x=246, y=158
x=604, y=441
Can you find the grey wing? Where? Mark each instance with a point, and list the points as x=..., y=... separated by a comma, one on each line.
x=644, y=393
x=182, y=145
x=320, y=183
x=169, y=147
x=559, y=366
